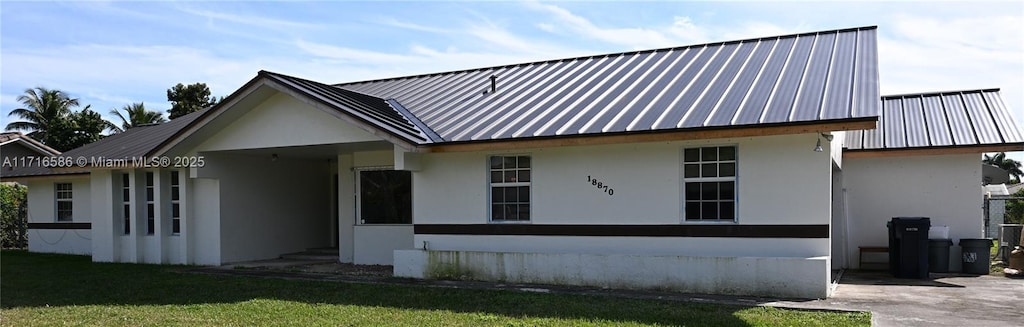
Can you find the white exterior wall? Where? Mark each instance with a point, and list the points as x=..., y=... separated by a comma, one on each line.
x=376, y=244
x=42, y=208
x=944, y=188
x=781, y=181
x=283, y=121
x=204, y=223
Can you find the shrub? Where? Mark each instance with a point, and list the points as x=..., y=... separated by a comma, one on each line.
x=14, y=219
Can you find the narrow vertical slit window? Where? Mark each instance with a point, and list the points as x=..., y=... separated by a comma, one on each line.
x=126, y=203
x=150, y=204
x=175, y=203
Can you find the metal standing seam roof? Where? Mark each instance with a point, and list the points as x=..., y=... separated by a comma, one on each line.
x=792, y=79
x=943, y=119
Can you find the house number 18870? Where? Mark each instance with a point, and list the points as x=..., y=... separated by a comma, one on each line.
x=600, y=185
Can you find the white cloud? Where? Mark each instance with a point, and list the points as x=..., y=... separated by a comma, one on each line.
x=261, y=22
x=350, y=55
x=635, y=37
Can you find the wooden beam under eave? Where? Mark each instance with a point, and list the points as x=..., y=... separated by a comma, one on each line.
x=676, y=135
x=933, y=151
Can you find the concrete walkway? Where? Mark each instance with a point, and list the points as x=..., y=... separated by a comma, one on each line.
x=946, y=300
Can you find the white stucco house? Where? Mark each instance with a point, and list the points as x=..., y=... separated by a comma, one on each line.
x=692, y=169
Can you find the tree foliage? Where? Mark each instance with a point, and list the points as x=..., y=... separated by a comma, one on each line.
x=47, y=116
x=1009, y=165
x=186, y=99
x=44, y=113
x=1015, y=209
x=14, y=216
x=136, y=115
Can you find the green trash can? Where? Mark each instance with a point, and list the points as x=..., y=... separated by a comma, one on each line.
x=975, y=253
x=938, y=254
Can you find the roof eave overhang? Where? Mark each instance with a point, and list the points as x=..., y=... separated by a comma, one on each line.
x=659, y=136
x=932, y=151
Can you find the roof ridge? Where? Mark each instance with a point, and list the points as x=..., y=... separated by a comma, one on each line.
x=635, y=52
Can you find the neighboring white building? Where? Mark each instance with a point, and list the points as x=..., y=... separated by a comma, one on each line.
x=690, y=169
x=56, y=221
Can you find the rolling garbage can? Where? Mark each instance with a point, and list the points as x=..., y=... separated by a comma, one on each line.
x=908, y=247
x=975, y=253
x=938, y=254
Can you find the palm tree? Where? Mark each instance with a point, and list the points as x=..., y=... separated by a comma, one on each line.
x=1013, y=167
x=45, y=110
x=137, y=116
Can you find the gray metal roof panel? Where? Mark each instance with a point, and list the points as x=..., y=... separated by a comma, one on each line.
x=893, y=121
x=935, y=119
x=1001, y=117
x=917, y=133
x=786, y=79
x=945, y=119
x=959, y=123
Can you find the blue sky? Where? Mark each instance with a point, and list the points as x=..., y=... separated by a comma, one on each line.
x=110, y=54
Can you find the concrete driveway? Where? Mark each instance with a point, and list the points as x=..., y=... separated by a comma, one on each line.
x=945, y=300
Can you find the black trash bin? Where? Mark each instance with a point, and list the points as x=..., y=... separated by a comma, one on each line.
x=975, y=253
x=908, y=247
x=938, y=254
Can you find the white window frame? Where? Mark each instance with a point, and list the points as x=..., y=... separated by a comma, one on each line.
x=491, y=185
x=70, y=192
x=735, y=179
x=359, y=200
x=175, y=189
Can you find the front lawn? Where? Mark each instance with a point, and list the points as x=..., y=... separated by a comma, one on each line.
x=45, y=289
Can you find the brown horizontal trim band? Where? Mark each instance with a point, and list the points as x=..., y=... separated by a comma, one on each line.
x=932, y=151
x=59, y=225
x=715, y=132
x=739, y=231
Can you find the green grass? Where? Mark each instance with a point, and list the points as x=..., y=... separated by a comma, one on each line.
x=45, y=289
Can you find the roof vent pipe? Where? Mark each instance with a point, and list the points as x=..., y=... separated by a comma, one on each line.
x=494, y=83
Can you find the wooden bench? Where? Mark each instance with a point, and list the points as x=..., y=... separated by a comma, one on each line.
x=873, y=249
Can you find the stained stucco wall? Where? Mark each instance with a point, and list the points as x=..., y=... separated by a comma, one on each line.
x=944, y=188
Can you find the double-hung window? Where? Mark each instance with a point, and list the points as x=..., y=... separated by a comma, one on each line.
x=175, y=203
x=709, y=175
x=64, y=201
x=126, y=203
x=510, y=188
x=150, y=204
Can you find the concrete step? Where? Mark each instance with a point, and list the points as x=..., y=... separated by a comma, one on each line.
x=309, y=256
x=331, y=251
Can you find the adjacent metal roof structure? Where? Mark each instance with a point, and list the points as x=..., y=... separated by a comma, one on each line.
x=970, y=118
x=792, y=79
